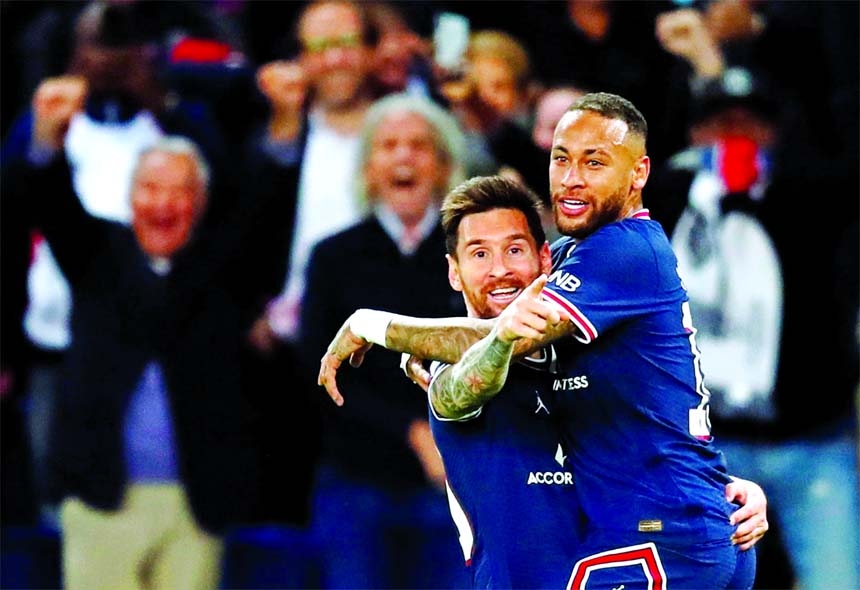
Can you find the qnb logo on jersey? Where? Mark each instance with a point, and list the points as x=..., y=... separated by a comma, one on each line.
x=571, y=383
x=564, y=280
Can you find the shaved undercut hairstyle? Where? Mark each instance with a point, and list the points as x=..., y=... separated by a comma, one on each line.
x=613, y=106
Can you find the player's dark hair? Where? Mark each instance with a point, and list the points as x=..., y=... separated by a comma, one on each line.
x=613, y=106
x=487, y=193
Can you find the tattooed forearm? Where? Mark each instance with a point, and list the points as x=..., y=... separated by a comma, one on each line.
x=444, y=339
x=474, y=380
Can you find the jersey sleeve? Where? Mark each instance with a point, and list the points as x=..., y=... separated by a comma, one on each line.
x=599, y=281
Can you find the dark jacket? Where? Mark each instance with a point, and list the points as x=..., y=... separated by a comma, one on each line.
x=362, y=267
x=191, y=321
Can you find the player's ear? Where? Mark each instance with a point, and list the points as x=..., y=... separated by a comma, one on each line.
x=640, y=172
x=545, y=259
x=453, y=273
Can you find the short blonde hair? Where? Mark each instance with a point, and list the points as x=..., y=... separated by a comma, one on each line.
x=501, y=45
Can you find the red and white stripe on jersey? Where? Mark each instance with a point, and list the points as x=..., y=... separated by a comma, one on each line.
x=587, y=331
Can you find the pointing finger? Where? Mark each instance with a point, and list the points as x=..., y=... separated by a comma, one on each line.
x=536, y=287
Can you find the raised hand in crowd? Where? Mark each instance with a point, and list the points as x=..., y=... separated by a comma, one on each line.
x=285, y=86
x=54, y=104
x=684, y=33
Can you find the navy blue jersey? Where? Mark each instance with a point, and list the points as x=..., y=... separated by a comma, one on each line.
x=511, y=497
x=632, y=403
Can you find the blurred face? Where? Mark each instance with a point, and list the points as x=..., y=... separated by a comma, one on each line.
x=393, y=59
x=334, y=55
x=550, y=109
x=495, y=83
x=497, y=257
x=596, y=174
x=167, y=199
x=122, y=69
x=119, y=73
x=404, y=170
x=737, y=121
x=106, y=67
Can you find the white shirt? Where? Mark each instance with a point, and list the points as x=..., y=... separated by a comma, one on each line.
x=327, y=203
x=733, y=277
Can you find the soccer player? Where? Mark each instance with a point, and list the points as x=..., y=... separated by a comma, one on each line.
x=635, y=418
x=510, y=491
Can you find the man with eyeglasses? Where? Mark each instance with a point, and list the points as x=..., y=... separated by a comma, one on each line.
x=305, y=152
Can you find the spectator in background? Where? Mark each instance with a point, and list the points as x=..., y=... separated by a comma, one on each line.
x=500, y=70
x=317, y=106
x=733, y=212
x=126, y=109
x=819, y=117
x=401, y=58
x=35, y=43
x=379, y=511
x=149, y=452
x=606, y=45
x=305, y=155
x=38, y=37
x=550, y=106
x=491, y=94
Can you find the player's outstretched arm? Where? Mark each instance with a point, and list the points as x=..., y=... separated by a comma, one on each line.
x=345, y=345
x=751, y=517
x=443, y=339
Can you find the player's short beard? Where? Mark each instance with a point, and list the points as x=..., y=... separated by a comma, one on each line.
x=597, y=217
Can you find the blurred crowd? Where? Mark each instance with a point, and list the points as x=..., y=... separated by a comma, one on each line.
x=323, y=136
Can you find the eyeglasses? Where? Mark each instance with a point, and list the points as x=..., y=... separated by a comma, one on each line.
x=323, y=44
